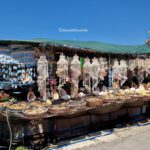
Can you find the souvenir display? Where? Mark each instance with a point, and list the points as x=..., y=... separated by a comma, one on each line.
x=75, y=73
x=95, y=73
x=87, y=71
x=5, y=59
x=42, y=69
x=123, y=72
x=141, y=68
x=70, y=94
x=116, y=70
x=147, y=66
x=103, y=63
x=132, y=64
x=62, y=69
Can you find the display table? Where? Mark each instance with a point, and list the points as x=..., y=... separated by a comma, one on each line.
x=33, y=131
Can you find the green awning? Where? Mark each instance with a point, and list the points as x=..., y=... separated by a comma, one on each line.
x=91, y=45
x=102, y=47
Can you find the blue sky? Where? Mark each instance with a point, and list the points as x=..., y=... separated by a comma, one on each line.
x=113, y=21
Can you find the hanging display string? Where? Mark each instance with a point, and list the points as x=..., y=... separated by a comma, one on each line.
x=10, y=131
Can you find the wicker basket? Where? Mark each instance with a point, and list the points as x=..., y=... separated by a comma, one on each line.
x=74, y=113
x=119, y=105
x=61, y=110
x=123, y=100
x=104, y=108
x=137, y=98
x=146, y=98
x=36, y=114
x=135, y=102
x=3, y=105
x=20, y=110
x=94, y=103
x=78, y=105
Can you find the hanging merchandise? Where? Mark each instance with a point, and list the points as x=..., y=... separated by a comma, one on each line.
x=147, y=67
x=132, y=64
x=123, y=71
x=141, y=69
x=87, y=71
x=116, y=76
x=62, y=69
x=42, y=69
x=69, y=60
x=26, y=76
x=103, y=63
x=103, y=68
x=5, y=59
x=116, y=70
x=95, y=73
x=81, y=61
x=75, y=73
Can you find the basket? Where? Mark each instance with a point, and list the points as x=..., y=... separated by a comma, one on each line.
x=137, y=98
x=39, y=104
x=146, y=98
x=77, y=104
x=10, y=110
x=74, y=113
x=124, y=99
x=2, y=108
x=109, y=100
x=3, y=105
x=36, y=114
x=59, y=110
x=104, y=108
x=134, y=103
x=94, y=103
x=119, y=105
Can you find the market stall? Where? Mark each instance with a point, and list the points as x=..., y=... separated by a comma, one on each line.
x=69, y=94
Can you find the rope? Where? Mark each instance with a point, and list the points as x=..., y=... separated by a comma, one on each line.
x=10, y=131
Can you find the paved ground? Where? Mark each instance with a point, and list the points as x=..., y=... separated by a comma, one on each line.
x=139, y=141
x=129, y=138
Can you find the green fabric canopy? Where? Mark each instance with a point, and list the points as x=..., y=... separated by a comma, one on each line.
x=101, y=47
x=91, y=45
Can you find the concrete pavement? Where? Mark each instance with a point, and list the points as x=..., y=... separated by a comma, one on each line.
x=140, y=140
x=128, y=138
